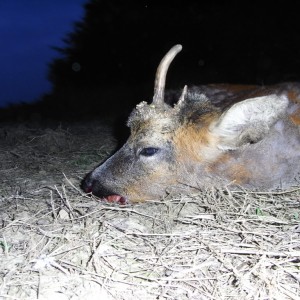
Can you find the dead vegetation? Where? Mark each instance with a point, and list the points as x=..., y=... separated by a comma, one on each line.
x=58, y=243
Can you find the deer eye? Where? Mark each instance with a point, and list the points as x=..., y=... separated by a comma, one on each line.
x=148, y=151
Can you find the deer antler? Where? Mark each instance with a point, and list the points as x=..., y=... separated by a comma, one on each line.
x=160, y=78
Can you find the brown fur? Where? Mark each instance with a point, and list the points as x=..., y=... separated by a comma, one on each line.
x=195, y=142
x=293, y=96
x=137, y=192
x=295, y=117
x=235, y=88
x=239, y=174
x=224, y=166
x=219, y=161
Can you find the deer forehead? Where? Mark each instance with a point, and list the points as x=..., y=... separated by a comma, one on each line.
x=157, y=128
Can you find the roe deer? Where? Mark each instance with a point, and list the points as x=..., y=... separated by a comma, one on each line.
x=215, y=135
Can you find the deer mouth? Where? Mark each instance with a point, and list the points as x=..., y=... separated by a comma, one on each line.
x=107, y=196
x=116, y=199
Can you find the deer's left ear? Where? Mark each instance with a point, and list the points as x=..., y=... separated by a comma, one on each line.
x=249, y=121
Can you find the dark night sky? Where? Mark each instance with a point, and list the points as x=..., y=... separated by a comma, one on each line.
x=28, y=30
x=223, y=41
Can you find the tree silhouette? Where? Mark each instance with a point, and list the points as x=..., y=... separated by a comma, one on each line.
x=110, y=58
x=121, y=43
x=117, y=41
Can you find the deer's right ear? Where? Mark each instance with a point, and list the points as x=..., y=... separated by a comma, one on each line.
x=249, y=121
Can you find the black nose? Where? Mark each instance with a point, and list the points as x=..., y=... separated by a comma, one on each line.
x=87, y=184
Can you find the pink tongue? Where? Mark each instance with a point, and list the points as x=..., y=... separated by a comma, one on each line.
x=113, y=198
x=116, y=198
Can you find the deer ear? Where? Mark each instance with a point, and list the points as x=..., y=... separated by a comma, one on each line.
x=249, y=121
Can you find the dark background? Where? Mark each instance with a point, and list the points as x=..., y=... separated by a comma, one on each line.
x=108, y=62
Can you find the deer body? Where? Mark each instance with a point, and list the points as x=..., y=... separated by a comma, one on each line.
x=215, y=135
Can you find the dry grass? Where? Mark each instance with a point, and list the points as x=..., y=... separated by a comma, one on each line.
x=58, y=243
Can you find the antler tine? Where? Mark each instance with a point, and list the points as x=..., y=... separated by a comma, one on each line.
x=160, y=78
x=182, y=96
